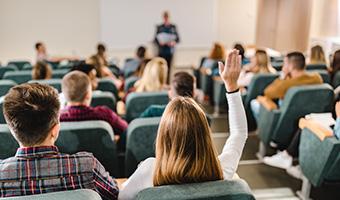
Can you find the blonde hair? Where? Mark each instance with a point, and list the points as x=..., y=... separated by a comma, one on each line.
x=75, y=86
x=184, y=147
x=154, y=76
x=317, y=55
x=262, y=62
x=217, y=52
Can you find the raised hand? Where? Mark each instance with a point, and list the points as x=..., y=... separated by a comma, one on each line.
x=231, y=70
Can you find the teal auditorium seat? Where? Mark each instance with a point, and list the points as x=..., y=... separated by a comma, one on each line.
x=256, y=87
x=319, y=161
x=336, y=80
x=137, y=102
x=92, y=136
x=140, y=144
x=56, y=83
x=106, y=84
x=215, y=190
x=5, y=85
x=5, y=69
x=219, y=92
x=316, y=67
x=27, y=67
x=19, y=64
x=324, y=75
x=8, y=145
x=80, y=194
x=18, y=76
x=59, y=73
x=104, y=99
x=279, y=126
x=130, y=82
x=2, y=117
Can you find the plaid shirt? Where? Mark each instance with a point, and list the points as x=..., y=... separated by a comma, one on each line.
x=82, y=113
x=36, y=170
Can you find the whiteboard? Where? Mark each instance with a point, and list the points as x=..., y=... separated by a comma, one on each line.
x=129, y=23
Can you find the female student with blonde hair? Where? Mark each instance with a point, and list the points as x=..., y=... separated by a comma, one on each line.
x=154, y=76
x=259, y=64
x=317, y=55
x=184, y=147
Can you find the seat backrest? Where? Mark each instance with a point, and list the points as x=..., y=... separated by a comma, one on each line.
x=137, y=102
x=19, y=64
x=319, y=160
x=5, y=69
x=316, y=67
x=5, y=85
x=107, y=85
x=92, y=136
x=104, y=99
x=324, y=75
x=18, y=76
x=130, y=82
x=214, y=190
x=81, y=194
x=257, y=85
x=140, y=143
x=56, y=83
x=8, y=145
x=59, y=73
x=27, y=67
x=298, y=102
x=336, y=79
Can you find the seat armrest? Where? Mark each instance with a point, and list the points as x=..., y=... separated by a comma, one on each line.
x=320, y=131
x=267, y=103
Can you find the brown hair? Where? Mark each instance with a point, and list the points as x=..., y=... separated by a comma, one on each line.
x=335, y=66
x=184, y=148
x=217, y=52
x=75, y=86
x=31, y=110
x=98, y=62
x=317, y=55
x=41, y=70
x=183, y=84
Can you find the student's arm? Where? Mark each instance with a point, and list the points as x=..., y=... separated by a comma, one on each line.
x=177, y=35
x=276, y=90
x=233, y=148
x=104, y=184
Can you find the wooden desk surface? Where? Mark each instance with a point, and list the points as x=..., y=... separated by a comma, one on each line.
x=319, y=130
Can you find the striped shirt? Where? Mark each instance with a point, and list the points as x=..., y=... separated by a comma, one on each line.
x=37, y=170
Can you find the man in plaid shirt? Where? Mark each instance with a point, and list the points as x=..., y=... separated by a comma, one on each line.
x=32, y=113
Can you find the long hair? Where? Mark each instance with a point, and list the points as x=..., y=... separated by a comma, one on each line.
x=262, y=62
x=154, y=76
x=335, y=66
x=217, y=52
x=184, y=147
x=317, y=55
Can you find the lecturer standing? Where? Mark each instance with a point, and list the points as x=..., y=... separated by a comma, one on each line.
x=166, y=39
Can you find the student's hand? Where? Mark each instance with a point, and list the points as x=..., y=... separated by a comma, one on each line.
x=337, y=109
x=231, y=70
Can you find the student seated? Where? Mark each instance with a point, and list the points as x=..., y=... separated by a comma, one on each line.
x=76, y=87
x=217, y=54
x=184, y=149
x=258, y=64
x=43, y=56
x=284, y=159
x=335, y=65
x=181, y=85
x=31, y=111
x=100, y=63
x=293, y=74
x=90, y=71
x=317, y=56
x=41, y=70
x=131, y=66
x=242, y=51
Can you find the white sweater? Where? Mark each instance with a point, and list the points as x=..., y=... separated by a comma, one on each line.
x=142, y=178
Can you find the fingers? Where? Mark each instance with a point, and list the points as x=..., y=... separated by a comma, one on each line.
x=220, y=67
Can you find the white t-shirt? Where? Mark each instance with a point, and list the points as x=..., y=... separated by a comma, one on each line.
x=142, y=178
